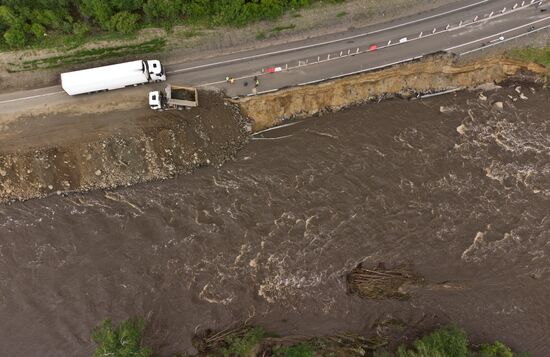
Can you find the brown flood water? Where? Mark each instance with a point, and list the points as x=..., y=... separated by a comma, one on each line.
x=464, y=195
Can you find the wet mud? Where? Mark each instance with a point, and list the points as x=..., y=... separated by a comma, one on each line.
x=456, y=185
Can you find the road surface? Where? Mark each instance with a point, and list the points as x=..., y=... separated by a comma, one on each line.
x=464, y=27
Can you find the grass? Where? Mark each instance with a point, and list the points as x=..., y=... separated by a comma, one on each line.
x=282, y=28
x=537, y=55
x=189, y=33
x=341, y=14
x=273, y=32
x=67, y=42
x=95, y=54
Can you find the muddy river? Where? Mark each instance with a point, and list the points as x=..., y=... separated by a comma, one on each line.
x=453, y=184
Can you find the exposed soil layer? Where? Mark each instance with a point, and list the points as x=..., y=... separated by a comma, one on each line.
x=95, y=152
x=433, y=73
x=63, y=151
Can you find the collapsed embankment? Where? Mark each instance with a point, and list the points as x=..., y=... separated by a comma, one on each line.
x=145, y=146
x=154, y=146
x=434, y=73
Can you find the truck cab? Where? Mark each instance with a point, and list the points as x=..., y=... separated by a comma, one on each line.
x=156, y=71
x=155, y=100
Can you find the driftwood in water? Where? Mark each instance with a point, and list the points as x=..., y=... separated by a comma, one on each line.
x=381, y=283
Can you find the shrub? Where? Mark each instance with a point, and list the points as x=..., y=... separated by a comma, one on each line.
x=100, y=11
x=124, y=22
x=7, y=16
x=38, y=30
x=448, y=342
x=241, y=345
x=499, y=349
x=80, y=29
x=120, y=341
x=162, y=10
x=15, y=37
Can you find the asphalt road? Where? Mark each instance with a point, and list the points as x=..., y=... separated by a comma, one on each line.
x=463, y=27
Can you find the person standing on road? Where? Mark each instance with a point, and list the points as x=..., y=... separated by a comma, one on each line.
x=256, y=82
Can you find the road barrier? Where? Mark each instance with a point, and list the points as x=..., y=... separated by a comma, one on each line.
x=373, y=47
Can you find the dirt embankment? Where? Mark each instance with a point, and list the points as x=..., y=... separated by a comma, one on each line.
x=156, y=146
x=434, y=73
x=44, y=155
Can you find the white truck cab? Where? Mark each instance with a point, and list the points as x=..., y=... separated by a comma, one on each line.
x=155, y=100
x=156, y=71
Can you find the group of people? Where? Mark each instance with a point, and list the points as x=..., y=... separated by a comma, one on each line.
x=231, y=80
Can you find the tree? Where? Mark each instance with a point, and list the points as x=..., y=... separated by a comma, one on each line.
x=100, y=10
x=124, y=22
x=448, y=342
x=127, y=5
x=162, y=10
x=15, y=37
x=120, y=341
x=38, y=30
x=7, y=16
x=80, y=29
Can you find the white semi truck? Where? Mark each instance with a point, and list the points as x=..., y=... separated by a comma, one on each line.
x=112, y=77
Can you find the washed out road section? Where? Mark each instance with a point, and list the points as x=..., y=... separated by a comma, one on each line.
x=453, y=184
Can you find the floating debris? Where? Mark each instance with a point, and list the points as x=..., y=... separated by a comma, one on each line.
x=381, y=283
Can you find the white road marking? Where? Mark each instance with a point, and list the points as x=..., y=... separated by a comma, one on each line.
x=326, y=42
x=335, y=41
x=381, y=47
x=31, y=97
x=500, y=33
x=505, y=40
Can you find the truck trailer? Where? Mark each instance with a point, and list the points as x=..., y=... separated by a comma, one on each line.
x=112, y=77
x=174, y=97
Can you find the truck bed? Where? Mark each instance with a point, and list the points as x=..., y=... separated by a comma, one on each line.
x=181, y=96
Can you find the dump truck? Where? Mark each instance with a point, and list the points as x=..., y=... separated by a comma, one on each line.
x=174, y=97
x=112, y=77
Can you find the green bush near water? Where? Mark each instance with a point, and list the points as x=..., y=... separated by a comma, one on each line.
x=448, y=342
x=123, y=340
x=452, y=342
x=237, y=346
x=26, y=23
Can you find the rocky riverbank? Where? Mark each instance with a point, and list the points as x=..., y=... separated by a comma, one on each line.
x=59, y=152
x=154, y=146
